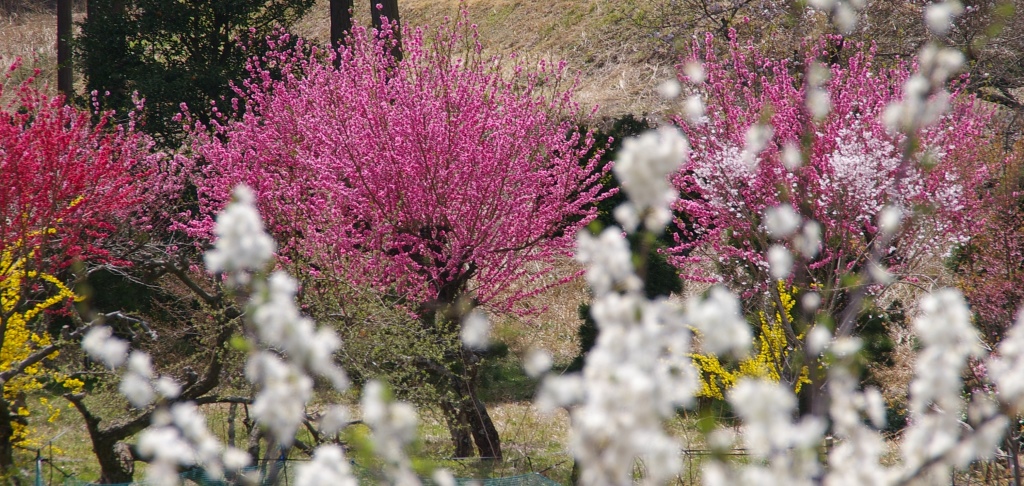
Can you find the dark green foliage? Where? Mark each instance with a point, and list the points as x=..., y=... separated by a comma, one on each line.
x=502, y=379
x=173, y=52
x=874, y=329
x=660, y=279
x=895, y=419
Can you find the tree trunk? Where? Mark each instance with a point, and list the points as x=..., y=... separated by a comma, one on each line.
x=113, y=468
x=456, y=377
x=64, y=73
x=6, y=431
x=341, y=21
x=469, y=424
x=104, y=442
x=458, y=428
x=389, y=10
x=485, y=435
x=471, y=413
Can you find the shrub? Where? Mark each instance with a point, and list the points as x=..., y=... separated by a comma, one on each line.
x=66, y=184
x=435, y=179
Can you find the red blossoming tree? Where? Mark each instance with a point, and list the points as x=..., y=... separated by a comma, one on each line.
x=441, y=178
x=65, y=182
x=991, y=265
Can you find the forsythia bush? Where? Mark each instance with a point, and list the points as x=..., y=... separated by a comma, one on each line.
x=21, y=338
x=770, y=348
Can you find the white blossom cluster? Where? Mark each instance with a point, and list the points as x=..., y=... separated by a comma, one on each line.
x=939, y=16
x=637, y=374
x=611, y=263
x=756, y=139
x=643, y=166
x=863, y=168
x=241, y=244
x=786, y=449
x=329, y=467
x=100, y=344
x=284, y=391
x=925, y=98
x=476, y=329
x=843, y=12
x=640, y=370
x=718, y=319
x=287, y=349
x=138, y=383
x=693, y=105
x=946, y=429
x=279, y=324
x=290, y=345
x=781, y=222
x=394, y=427
x=858, y=446
x=1007, y=369
x=177, y=435
x=936, y=394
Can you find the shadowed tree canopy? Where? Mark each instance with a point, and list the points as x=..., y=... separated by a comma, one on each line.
x=173, y=52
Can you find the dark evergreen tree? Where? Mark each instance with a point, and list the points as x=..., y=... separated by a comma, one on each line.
x=173, y=53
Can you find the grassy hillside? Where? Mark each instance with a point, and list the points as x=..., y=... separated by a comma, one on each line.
x=618, y=62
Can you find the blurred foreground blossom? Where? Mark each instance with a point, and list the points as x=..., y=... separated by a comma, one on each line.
x=241, y=245
x=100, y=344
x=643, y=166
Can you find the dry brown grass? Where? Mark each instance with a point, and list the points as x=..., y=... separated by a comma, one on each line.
x=30, y=35
x=554, y=324
x=618, y=63
x=616, y=60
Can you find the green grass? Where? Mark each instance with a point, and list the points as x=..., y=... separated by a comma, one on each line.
x=532, y=442
x=64, y=445
x=503, y=380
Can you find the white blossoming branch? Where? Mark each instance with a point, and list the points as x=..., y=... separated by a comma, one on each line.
x=637, y=374
x=286, y=350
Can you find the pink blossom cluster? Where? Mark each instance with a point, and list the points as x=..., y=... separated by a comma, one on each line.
x=799, y=133
x=436, y=175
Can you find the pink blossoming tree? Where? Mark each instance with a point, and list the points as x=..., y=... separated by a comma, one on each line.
x=441, y=178
x=796, y=158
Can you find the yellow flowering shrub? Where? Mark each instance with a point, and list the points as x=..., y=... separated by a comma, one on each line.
x=20, y=341
x=770, y=351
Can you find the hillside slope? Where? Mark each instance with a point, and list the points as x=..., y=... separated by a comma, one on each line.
x=619, y=63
